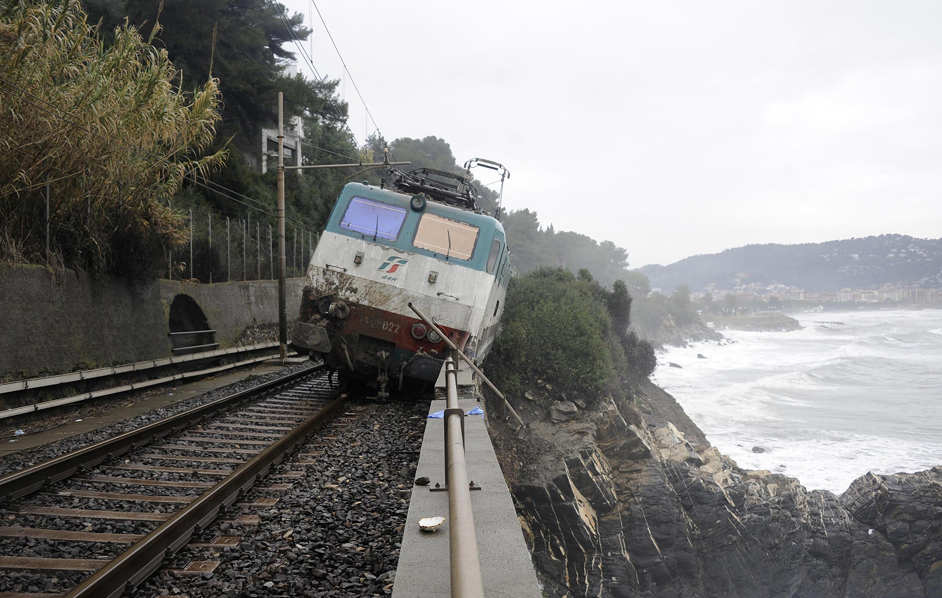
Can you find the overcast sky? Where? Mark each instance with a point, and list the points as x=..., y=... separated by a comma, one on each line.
x=669, y=128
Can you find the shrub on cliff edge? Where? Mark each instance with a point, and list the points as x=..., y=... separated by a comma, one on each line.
x=569, y=330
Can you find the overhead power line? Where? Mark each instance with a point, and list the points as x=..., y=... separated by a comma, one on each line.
x=317, y=147
x=349, y=74
x=309, y=62
x=297, y=42
x=228, y=194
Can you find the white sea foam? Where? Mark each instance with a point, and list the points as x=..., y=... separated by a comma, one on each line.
x=849, y=393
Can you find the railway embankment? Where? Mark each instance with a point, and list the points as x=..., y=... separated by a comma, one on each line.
x=621, y=495
x=327, y=519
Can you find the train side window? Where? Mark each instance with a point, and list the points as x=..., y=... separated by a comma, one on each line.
x=446, y=236
x=373, y=218
x=492, y=259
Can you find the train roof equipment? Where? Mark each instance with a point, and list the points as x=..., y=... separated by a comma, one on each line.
x=492, y=165
x=439, y=185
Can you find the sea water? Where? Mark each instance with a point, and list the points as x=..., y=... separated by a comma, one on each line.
x=849, y=393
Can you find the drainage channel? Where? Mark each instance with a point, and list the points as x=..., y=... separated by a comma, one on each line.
x=110, y=526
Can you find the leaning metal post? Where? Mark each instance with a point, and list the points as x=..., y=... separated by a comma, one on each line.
x=467, y=360
x=466, y=579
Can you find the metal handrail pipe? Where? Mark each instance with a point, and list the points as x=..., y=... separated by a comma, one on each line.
x=96, y=394
x=33, y=383
x=467, y=360
x=466, y=578
x=195, y=347
x=190, y=332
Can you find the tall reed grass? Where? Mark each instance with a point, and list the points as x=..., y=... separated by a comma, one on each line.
x=106, y=133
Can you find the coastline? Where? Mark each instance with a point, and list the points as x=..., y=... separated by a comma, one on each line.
x=822, y=403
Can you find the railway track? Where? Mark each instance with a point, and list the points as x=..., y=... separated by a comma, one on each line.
x=103, y=518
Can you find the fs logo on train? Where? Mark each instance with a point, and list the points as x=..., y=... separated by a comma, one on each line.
x=391, y=265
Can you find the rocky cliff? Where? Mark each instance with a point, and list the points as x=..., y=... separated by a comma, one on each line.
x=628, y=499
x=669, y=332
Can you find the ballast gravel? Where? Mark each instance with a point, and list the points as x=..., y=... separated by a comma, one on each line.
x=335, y=533
x=17, y=461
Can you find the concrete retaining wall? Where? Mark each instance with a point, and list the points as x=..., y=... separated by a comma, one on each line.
x=234, y=307
x=48, y=327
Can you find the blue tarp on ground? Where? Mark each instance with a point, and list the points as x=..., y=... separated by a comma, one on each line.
x=441, y=414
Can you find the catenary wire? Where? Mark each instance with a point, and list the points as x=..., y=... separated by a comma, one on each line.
x=365, y=107
x=308, y=60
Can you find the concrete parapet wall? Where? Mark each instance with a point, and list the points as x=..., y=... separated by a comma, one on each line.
x=234, y=307
x=49, y=326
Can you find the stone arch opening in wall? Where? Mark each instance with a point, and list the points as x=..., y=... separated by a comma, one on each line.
x=189, y=328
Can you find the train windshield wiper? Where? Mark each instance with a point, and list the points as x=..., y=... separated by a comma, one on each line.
x=448, y=232
x=376, y=230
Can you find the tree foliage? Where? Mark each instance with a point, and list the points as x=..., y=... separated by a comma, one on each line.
x=570, y=330
x=246, y=44
x=105, y=132
x=242, y=43
x=533, y=246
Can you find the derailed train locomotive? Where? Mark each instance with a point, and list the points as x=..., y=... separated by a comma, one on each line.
x=427, y=244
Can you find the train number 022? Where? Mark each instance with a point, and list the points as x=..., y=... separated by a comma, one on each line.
x=391, y=327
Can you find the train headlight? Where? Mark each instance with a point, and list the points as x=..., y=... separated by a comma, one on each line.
x=434, y=337
x=419, y=330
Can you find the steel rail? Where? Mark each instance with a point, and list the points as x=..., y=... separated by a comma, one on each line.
x=23, y=482
x=143, y=558
x=467, y=360
x=466, y=579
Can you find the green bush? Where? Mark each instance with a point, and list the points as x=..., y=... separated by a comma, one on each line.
x=568, y=330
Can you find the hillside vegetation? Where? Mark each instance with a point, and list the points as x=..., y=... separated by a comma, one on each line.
x=94, y=141
x=658, y=317
x=142, y=120
x=852, y=263
x=569, y=330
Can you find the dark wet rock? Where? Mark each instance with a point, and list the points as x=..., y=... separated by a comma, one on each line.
x=561, y=411
x=423, y=481
x=700, y=356
x=674, y=365
x=906, y=509
x=758, y=449
x=649, y=509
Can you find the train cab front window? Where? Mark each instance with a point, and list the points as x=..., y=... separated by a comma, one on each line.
x=373, y=218
x=451, y=238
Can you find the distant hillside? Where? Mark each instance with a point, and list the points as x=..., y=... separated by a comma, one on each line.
x=822, y=267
